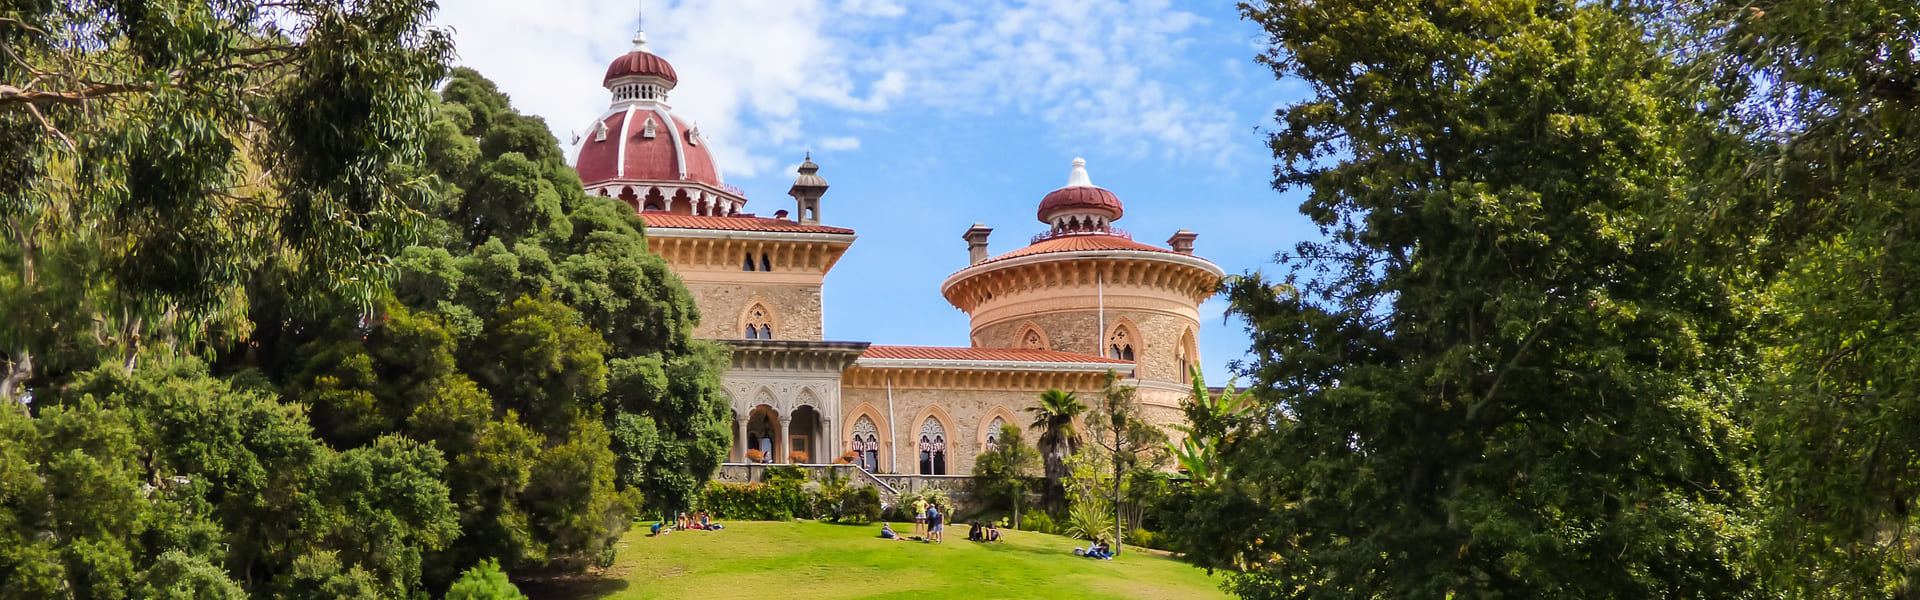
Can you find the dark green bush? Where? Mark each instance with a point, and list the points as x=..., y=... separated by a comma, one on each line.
x=859, y=506
x=1037, y=522
x=755, y=501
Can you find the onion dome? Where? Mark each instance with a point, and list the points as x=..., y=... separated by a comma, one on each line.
x=640, y=63
x=1080, y=197
x=640, y=152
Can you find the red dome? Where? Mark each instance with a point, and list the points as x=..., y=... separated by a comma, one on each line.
x=1079, y=197
x=674, y=153
x=640, y=63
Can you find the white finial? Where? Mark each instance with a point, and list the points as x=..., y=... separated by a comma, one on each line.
x=1078, y=178
x=640, y=30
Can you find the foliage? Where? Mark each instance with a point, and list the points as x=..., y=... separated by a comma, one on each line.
x=484, y=581
x=157, y=154
x=149, y=480
x=756, y=501
x=798, y=457
x=1089, y=521
x=933, y=497
x=1210, y=419
x=1129, y=447
x=1508, y=369
x=1038, y=522
x=1053, y=418
x=1001, y=476
x=859, y=506
x=1826, y=94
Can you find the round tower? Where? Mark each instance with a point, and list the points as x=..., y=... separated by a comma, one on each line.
x=639, y=151
x=1085, y=286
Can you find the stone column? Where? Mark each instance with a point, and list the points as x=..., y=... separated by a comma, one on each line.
x=782, y=446
x=740, y=438
x=829, y=441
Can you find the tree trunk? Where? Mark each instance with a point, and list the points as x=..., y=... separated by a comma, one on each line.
x=18, y=370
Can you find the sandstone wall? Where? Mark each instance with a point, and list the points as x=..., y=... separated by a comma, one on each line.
x=722, y=306
x=1155, y=352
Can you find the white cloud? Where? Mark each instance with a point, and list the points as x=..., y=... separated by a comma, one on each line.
x=750, y=68
x=837, y=143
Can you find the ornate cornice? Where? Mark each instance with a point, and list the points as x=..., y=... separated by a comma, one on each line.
x=703, y=249
x=794, y=355
x=958, y=377
x=1188, y=277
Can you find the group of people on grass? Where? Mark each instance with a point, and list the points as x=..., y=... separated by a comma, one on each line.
x=1095, y=550
x=698, y=521
x=928, y=524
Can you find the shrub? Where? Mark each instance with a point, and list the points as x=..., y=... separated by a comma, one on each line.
x=1146, y=538
x=785, y=473
x=859, y=506
x=932, y=496
x=1037, y=522
x=1090, y=521
x=798, y=457
x=755, y=501
x=484, y=581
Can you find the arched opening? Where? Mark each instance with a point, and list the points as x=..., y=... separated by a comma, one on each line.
x=866, y=444
x=759, y=322
x=765, y=263
x=747, y=265
x=763, y=430
x=803, y=437
x=682, y=204
x=993, y=435
x=1120, y=343
x=654, y=200
x=933, y=447
x=1032, y=338
x=1185, y=354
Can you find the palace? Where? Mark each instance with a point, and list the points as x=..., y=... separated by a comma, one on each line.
x=1082, y=299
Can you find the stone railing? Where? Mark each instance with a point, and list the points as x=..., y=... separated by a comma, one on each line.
x=890, y=485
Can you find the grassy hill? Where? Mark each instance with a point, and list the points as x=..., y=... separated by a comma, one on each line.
x=805, y=559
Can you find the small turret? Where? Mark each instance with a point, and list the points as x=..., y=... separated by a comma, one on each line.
x=807, y=190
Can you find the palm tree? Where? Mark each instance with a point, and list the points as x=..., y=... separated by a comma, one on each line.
x=1058, y=439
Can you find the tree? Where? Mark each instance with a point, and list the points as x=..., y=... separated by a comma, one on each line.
x=484, y=581
x=1129, y=443
x=1506, y=372
x=156, y=155
x=1003, y=471
x=1826, y=98
x=1053, y=418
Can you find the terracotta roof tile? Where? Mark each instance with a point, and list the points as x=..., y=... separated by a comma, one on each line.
x=1076, y=243
x=993, y=354
x=673, y=221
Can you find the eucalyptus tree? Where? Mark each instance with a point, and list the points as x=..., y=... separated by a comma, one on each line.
x=155, y=155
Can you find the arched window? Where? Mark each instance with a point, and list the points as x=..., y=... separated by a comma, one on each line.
x=748, y=265
x=647, y=131
x=1120, y=344
x=1183, y=355
x=933, y=448
x=993, y=435
x=759, y=322
x=765, y=265
x=866, y=444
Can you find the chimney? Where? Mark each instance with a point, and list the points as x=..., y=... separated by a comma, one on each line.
x=780, y=214
x=1182, y=241
x=807, y=190
x=976, y=237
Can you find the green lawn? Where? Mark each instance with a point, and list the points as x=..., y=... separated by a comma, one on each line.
x=806, y=559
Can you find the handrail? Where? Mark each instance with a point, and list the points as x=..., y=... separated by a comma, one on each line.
x=1110, y=231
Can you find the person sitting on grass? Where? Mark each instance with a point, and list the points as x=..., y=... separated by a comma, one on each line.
x=706, y=522
x=993, y=532
x=973, y=532
x=887, y=533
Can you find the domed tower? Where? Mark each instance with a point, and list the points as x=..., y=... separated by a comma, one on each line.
x=1085, y=286
x=640, y=152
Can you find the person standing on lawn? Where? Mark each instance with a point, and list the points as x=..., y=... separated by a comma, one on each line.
x=919, y=516
x=934, y=533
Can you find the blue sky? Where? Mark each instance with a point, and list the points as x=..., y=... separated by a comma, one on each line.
x=927, y=116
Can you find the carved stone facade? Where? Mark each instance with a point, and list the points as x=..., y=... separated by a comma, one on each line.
x=1079, y=302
